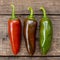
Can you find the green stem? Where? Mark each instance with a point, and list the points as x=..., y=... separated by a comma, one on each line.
x=31, y=16
x=13, y=12
x=44, y=11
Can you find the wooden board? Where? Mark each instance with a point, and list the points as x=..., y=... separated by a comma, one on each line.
x=5, y=48
x=30, y=58
x=52, y=6
x=53, y=10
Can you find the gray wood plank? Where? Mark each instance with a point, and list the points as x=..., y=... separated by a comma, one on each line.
x=52, y=6
x=5, y=48
x=34, y=58
x=29, y=58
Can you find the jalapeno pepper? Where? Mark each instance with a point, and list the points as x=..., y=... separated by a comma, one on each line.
x=14, y=31
x=46, y=32
x=30, y=25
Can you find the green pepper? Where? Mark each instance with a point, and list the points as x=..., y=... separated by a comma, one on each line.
x=46, y=33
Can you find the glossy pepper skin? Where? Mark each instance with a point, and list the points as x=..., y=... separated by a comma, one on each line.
x=14, y=31
x=30, y=25
x=46, y=32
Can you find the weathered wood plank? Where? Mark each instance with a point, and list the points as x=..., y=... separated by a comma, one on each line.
x=52, y=6
x=5, y=48
x=35, y=58
x=30, y=58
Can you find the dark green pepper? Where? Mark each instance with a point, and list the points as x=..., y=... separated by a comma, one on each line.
x=30, y=32
x=46, y=32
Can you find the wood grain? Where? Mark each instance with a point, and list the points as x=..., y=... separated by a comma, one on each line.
x=5, y=48
x=29, y=58
x=52, y=6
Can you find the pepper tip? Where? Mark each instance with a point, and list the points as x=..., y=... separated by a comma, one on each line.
x=41, y=7
x=12, y=5
x=29, y=8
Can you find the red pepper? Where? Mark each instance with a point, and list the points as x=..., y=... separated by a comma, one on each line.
x=14, y=30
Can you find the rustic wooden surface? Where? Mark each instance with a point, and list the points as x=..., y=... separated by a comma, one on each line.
x=52, y=6
x=53, y=11
x=5, y=48
x=30, y=58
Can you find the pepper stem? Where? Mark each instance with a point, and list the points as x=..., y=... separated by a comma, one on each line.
x=44, y=11
x=31, y=16
x=13, y=12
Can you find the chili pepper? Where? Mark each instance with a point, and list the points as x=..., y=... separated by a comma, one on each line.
x=46, y=32
x=14, y=31
x=30, y=25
